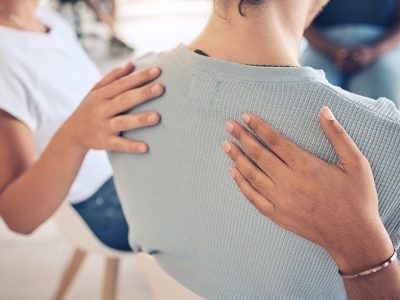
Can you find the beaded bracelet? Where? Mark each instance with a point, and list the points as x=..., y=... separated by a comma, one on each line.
x=384, y=265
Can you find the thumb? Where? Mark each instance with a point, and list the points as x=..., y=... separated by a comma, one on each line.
x=346, y=149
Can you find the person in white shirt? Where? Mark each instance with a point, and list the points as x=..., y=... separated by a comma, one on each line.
x=44, y=75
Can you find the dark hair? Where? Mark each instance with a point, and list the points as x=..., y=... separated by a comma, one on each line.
x=251, y=2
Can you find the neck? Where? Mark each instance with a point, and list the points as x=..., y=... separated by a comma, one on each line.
x=25, y=9
x=265, y=36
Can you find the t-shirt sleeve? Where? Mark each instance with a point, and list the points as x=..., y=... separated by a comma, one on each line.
x=16, y=100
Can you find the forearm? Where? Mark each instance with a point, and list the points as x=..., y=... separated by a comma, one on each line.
x=318, y=41
x=389, y=41
x=35, y=195
x=367, y=253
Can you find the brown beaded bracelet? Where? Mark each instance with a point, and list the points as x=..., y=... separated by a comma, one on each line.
x=384, y=265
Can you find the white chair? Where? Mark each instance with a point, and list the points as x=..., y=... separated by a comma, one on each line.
x=85, y=242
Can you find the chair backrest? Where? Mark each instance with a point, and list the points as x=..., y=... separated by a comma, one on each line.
x=76, y=231
x=163, y=286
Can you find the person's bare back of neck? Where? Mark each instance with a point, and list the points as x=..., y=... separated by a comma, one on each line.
x=268, y=34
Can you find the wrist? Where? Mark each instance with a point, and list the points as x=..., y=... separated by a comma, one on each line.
x=70, y=141
x=364, y=250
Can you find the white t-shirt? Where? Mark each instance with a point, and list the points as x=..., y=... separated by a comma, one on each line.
x=43, y=78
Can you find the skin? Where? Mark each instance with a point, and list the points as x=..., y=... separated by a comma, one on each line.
x=109, y=18
x=32, y=188
x=348, y=225
x=348, y=59
x=333, y=205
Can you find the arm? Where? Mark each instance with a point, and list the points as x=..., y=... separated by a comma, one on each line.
x=335, y=206
x=392, y=38
x=319, y=42
x=31, y=190
x=363, y=56
x=338, y=54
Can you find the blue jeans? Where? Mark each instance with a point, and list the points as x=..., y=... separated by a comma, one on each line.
x=103, y=213
x=380, y=79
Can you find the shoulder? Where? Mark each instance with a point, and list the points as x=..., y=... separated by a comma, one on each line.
x=380, y=110
x=152, y=58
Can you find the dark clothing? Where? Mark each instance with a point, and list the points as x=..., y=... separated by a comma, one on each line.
x=367, y=12
x=103, y=214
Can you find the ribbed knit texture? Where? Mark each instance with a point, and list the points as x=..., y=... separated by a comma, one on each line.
x=180, y=200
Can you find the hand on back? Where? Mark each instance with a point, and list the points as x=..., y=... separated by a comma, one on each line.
x=333, y=205
x=99, y=120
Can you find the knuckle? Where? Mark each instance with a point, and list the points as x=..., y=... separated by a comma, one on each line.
x=256, y=125
x=112, y=144
x=274, y=139
x=235, y=153
x=145, y=76
x=120, y=124
x=125, y=101
x=256, y=153
x=338, y=128
x=361, y=161
x=113, y=124
x=116, y=72
x=142, y=120
x=145, y=92
x=253, y=179
x=252, y=200
x=239, y=133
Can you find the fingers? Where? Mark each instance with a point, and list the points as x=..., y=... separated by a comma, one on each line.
x=345, y=147
x=131, y=121
x=263, y=204
x=133, y=98
x=115, y=75
x=120, y=144
x=265, y=159
x=285, y=149
x=131, y=81
x=260, y=181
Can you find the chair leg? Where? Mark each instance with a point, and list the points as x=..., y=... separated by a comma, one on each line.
x=69, y=273
x=110, y=278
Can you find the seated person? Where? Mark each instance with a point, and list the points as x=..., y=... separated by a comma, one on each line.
x=44, y=77
x=356, y=43
x=180, y=201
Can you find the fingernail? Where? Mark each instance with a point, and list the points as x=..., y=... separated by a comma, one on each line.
x=229, y=126
x=142, y=148
x=232, y=172
x=152, y=118
x=154, y=71
x=246, y=118
x=227, y=147
x=327, y=114
x=129, y=64
x=156, y=89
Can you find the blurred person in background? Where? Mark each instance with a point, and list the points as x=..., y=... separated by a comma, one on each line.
x=106, y=12
x=356, y=43
x=46, y=133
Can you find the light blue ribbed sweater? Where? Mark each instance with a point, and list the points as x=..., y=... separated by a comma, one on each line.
x=180, y=200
